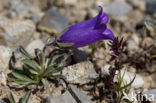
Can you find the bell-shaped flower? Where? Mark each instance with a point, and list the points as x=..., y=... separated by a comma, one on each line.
x=86, y=32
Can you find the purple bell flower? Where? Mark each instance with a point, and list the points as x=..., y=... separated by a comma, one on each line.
x=87, y=32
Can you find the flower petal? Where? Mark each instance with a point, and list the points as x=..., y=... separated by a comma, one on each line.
x=105, y=18
x=87, y=32
x=108, y=34
x=102, y=18
x=83, y=37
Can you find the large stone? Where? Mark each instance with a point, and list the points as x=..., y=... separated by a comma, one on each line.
x=5, y=54
x=118, y=9
x=79, y=95
x=53, y=22
x=65, y=98
x=80, y=73
x=16, y=32
x=36, y=44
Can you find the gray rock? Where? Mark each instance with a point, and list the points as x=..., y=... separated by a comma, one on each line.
x=5, y=54
x=79, y=95
x=118, y=9
x=16, y=32
x=150, y=94
x=35, y=44
x=22, y=9
x=80, y=73
x=17, y=7
x=80, y=55
x=53, y=22
x=65, y=98
x=151, y=6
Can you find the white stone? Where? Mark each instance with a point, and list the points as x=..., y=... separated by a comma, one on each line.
x=128, y=77
x=80, y=73
x=5, y=54
x=36, y=44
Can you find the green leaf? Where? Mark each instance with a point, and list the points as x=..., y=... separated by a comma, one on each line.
x=40, y=56
x=129, y=84
x=63, y=62
x=19, y=69
x=47, y=62
x=26, y=97
x=11, y=98
x=30, y=71
x=55, y=58
x=120, y=79
x=49, y=69
x=21, y=82
x=32, y=64
x=24, y=53
x=62, y=45
x=42, y=59
x=22, y=77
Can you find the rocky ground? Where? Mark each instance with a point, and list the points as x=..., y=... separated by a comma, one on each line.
x=31, y=22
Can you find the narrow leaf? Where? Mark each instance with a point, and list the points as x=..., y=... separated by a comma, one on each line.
x=11, y=98
x=49, y=69
x=129, y=84
x=32, y=64
x=22, y=77
x=21, y=82
x=26, y=97
x=30, y=72
x=24, y=53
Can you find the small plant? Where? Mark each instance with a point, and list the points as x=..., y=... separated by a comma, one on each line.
x=123, y=88
x=23, y=100
x=35, y=71
x=116, y=90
